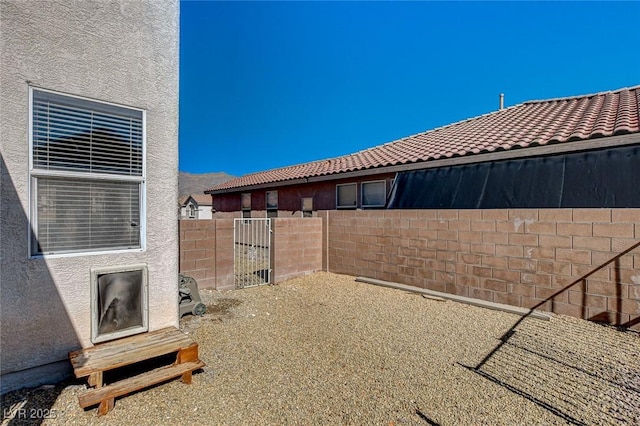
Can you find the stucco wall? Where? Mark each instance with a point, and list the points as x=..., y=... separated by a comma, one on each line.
x=124, y=52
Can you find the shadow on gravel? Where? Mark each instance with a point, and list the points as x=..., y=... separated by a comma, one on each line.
x=599, y=383
x=424, y=417
x=32, y=406
x=222, y=307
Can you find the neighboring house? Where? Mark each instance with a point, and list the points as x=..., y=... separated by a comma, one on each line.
x=578, y=151
x=89, y=101
x=196, y=206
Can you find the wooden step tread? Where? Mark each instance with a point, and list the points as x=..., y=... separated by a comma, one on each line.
x=129, y=350
x=95, y=396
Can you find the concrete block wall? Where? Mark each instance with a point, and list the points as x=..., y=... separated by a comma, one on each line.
x=297, y=247
x=524, y=258
x=206, y=252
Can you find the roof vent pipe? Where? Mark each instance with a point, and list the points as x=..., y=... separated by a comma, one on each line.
x=501, y=101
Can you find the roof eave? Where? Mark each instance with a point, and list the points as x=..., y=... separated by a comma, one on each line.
x=536, y=151
x=257, y=186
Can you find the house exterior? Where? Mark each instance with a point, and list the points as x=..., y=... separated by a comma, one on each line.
x=487, y=152
x=534, y=206
x=89, y=94
x=196, y=206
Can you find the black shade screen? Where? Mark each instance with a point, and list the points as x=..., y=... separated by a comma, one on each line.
x=608, y=178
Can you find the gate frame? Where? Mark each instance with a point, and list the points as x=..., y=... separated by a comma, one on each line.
x=252, y=251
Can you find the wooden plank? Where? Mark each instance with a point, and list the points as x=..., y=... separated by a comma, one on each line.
x=106, y=406
x=137, y=340
x=98, y=395
x=129, y=350
x=186, y=377
x=188, y=354
x=95, y=379
x=170, y=334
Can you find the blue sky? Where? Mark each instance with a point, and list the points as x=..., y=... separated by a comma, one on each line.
x=271, y=84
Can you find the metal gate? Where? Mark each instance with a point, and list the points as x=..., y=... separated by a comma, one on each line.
x=251, y=252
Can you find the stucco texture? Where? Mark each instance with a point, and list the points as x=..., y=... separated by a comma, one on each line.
x=125, y=52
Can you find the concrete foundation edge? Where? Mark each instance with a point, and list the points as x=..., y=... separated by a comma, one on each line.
x=47, y=374
x=469, y=301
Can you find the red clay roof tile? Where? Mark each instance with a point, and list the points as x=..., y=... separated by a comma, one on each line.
x=201, y=199
x=528, y=124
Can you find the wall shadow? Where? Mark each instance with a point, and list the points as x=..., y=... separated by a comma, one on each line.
x=541, y=364
x=36, y=332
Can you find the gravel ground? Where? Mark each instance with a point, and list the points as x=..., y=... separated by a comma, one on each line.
x=324, y=349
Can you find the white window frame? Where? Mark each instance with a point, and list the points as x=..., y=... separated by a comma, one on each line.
x=35, y=173
x=191, y=211
x=350, y=206
x=373, y=182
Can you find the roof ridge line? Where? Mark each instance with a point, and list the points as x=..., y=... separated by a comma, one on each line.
x=591, y=95
x=465, y=120
x=291, y=166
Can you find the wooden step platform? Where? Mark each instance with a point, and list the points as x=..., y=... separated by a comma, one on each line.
x=94, y=361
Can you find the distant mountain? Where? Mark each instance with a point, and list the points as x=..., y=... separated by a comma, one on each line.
x=189, y=183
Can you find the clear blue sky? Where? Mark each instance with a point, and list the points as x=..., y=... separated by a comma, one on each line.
x=272, y=84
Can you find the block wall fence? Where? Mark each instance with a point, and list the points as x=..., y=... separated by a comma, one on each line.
x=206, y=250
x=526, y=258
x=523, y=258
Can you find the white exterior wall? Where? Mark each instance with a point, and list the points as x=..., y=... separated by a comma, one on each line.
x=125, y=52
x=202, y=211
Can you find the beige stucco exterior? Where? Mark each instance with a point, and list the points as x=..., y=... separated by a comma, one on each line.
x=125, y=52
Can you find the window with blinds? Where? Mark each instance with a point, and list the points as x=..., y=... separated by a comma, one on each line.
x=374, y=193
x=87, y=172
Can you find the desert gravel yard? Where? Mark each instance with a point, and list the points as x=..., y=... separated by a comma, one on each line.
x=325, y=349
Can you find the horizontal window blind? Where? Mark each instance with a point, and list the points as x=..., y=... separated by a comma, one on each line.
x=87, y=173
x=78, y=215
x=94, y=137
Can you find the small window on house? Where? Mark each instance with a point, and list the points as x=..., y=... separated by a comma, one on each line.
x=192, y=211
x=346, y=197
x=272, y=203
x=87, y=175
x=272, y=200
x=307, y=207
x=374, y=193
x=245, y=201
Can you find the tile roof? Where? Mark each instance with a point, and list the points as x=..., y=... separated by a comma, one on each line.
x=532, y=123
x=200, y=199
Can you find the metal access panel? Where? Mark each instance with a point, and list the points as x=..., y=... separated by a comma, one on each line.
x=251, y=251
